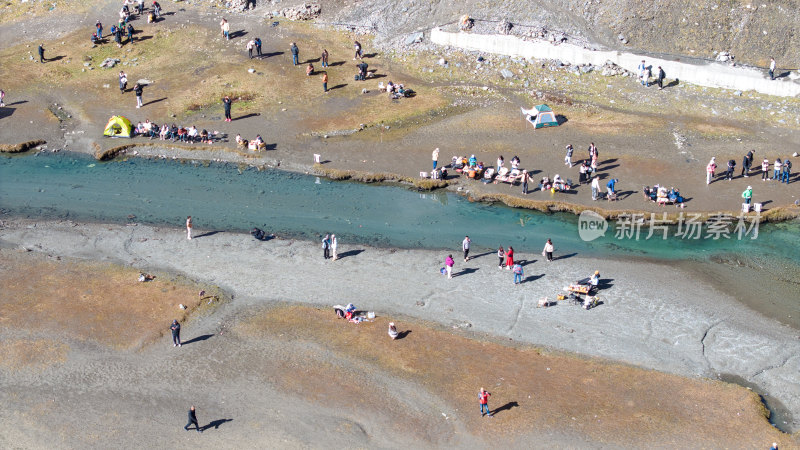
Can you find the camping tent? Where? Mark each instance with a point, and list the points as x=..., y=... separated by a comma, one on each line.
x=118, y=126
x=540, y=116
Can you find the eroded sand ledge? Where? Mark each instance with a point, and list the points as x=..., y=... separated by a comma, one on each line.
x=680, y=327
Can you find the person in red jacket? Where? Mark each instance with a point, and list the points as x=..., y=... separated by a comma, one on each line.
x=483, y=398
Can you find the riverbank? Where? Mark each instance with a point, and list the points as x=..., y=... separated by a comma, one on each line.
x=367, y=134
x=686, y=328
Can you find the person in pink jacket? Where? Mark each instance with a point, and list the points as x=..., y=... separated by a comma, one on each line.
x=710, y=168
x=448, y=265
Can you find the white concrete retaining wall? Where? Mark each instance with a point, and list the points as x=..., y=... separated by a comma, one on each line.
x=712, y=74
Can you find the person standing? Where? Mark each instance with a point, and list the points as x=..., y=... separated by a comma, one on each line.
x=251, y=44
x=568, y=157
x=731, y=167
x=787, y=170
x=772, y=68
x=500, y=162
x=483, y=399
x=295, y=53
x=226, y=103
x=765, y=170
x=435, y=156
x=193, y=420
x=334, y=245
x=747, y=195
x=660, y=78
x=548, y=250
x=130, y=33
x=118, y=36
x=41, y=53
x=123, y=82
x=710, y=168
x=99, y=27
x=777, y=166
x=509, y=257
x=501, y=254
x=525, y=178
x=517, y=273
x=2, y=98
x=747, y=163
x=448, y=265
x=189, y=228
x=324, y=57
x=325, y=81
x=595, y=188
x=137, y=90
x=465, y=246
x=326, y=246
x=359, y=54
x=393, y=331
x=176, y=333
x=643, y=78
x=226, y=29
x=140, y=6
x=257, y=41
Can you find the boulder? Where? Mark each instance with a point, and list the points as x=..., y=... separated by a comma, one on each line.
x=109, y=63
x=306, y=11
x=413, y=38
x=504, y=27
x=505, y=73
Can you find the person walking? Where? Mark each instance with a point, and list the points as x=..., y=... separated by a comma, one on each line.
x=595, y=188
x=747, y=163
x=193, y=420
x=787, y=170
x=448, y=265
x=660, y=78
x=568, y=157
x=251, y=44
x=501, y=254
x=123, y=82
x=772, y=68
x=189, y=228
x=465, y=246
x=326, y=246
x=226, y=29
x=643, y=78
x=359, y=54
x=731, y=167
x=435, y=156
x=525, y=178
x=509, y=257
x=257, y=42
x=483, y=399
x=710, y=168
x=747, y=195
x=41, y=53
x=777, y=166
x=137, y=90
x=324, y=57
x=334, y=245
x=765, y=170
x=295, y=53
x=517, y=273
x=176, y=333
x=226, y=103
x=325, y=81
x=548, y=250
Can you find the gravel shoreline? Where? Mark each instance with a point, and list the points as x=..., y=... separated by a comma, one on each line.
x=679, y=326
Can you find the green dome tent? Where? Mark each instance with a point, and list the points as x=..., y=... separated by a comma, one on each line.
x=118, y=126
x=540, y=116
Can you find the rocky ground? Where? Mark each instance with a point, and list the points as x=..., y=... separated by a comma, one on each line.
x=264, y=370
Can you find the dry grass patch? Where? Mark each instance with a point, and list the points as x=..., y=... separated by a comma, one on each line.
x=92, y=301
x=10, y=10
x=609, y=403
x=716, y=130
x=37, y=354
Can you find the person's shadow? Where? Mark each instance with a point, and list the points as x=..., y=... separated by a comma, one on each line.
x=505, y=407
x=402, y=334
x=197, y=339
x=466, y=271
x=215, y=424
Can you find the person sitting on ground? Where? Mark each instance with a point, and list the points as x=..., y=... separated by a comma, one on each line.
x=515, y=162
x=139, y=129
x=192, y=134
x=151, y=17
x=182, y=134
x=94, y=38
x=259, y=142
x=146, y=277
x=393, y=331
x=162, y=135
x=204, y=137
x=646, y=192
x=545, y=184
x=558, y=183
x=390, y=87
x=173, y=132
x=473, y=161
x=310, y=69
x=594, y=280
x=239, y=141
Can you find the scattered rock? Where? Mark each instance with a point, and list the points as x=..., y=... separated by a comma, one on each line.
x=505, y=73
x=251, y=70
x=442, y=62
x=413, y=38
x=86, y=64
x=610, y=70
x=306, y=11
x=109, y=63
x=144, y=81
x=504, y=27
x=724, y=57
x=738, y=93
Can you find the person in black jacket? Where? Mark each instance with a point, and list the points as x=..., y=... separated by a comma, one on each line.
x=660, y=78
x=41, y=53
x=747, y=162
x=226, y=103
x=731, y=166
x=192, y=420
x=137, y=89
x=176, y=333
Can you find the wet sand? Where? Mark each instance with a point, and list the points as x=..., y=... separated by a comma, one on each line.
x=685, y=328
